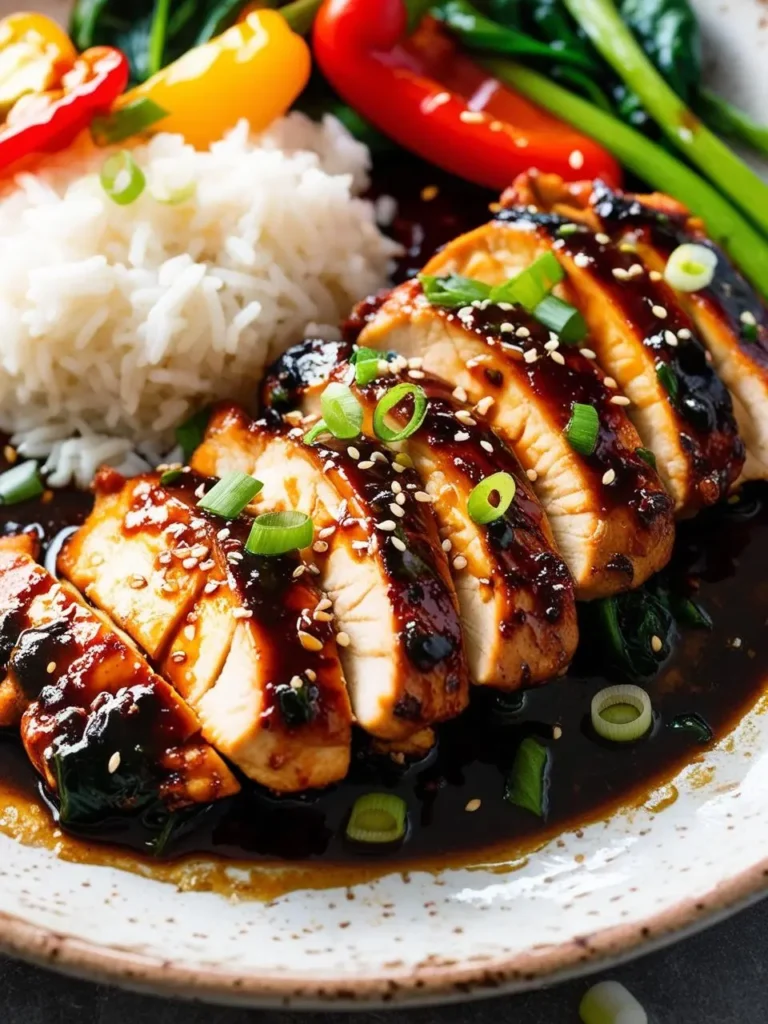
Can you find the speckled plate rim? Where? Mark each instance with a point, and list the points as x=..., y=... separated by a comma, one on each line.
x=429, y=983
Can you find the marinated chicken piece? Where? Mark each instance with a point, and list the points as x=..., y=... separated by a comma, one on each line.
x=609, y=513
x=378, y=556
x=639, y=330
x=249, y=645
x=518, y=614
x=106, y=732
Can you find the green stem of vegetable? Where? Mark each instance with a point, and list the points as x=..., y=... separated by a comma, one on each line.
x=301, y=14
x=604, y=26
x=416, y=9
x=728, y=120
x=652, y=163
x=157, y=36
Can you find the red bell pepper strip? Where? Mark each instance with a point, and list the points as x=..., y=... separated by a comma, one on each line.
x=49, y=121
x=431, y=99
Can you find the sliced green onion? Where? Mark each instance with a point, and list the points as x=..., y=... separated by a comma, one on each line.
x=377, y=818
x=393, y=398
x=621, y=713
x=190, y=434
x=562, y=318
x=174, y=196
x=566, y=230
x=230, y=495
x=342, y=413
x=647, y=456
x=479, y=504
x=453, y=290
x=276, y=533
x=527, y=782
x=532, y=285
x=22, y=483
x=609, y=1002
x=583, y=428
x=696, y=725
x=321, y=427
x=691, y=267
x=668, y=379
x=130, y=120
x=170, y=476
x=366, y=364
x=749, y=332
x=122, y=178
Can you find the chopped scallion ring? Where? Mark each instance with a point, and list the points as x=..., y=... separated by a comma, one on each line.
x=562, y=318
x=22, y=483
x=321, y=427
x=691, y=267
x=583, y=428
x=230, y=495
x=366, y=363
x=130, y=120
x=393, y=398
x=622, y=713
x=609, y=1002
x=276, y=533
x=479, y=505
x=122, y=178
x=377, y=818
x=532, y=285
x=342, y=413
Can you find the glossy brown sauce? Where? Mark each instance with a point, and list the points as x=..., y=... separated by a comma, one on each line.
x=720, y=555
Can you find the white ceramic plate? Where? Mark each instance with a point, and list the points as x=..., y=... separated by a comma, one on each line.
x=604, y=892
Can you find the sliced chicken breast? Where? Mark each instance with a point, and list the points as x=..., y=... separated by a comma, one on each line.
x=379, y=558
x=515, y=593
x=640, y=335
x=609, y=513
x=92, y=706
x=243, y=638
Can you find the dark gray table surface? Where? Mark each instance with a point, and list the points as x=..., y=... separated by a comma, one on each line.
x=717, y=977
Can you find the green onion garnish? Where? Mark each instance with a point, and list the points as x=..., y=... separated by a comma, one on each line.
x=583, y=428
x=122, y=178
x=609, y=1002
x=532, y=285
x=321, y=427
x=276, y=533
x=190, y=434
x=562, y=318
x=647, y=456
x=527, y=781
x=453, y=290
x=749, y=332
x=393, y=398
x=22, y=483
x=174, y=196
x=170, y=476
x=230, y=495
x=479, y=505
x=366, y=364
x=342, y=413
x=668, y=379
x=130, y=120
x=691, y=267
x=377, y=818
x=566, y=230
x=622, y=713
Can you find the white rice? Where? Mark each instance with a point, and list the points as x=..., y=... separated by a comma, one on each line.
x=117, y=322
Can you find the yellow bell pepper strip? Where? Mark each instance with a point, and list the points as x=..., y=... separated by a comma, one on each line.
x=34, y=54
x=254, y=70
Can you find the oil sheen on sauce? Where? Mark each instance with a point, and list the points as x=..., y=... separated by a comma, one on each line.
x=299, y=842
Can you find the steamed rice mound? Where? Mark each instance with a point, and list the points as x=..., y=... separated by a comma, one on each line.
x=117, y=322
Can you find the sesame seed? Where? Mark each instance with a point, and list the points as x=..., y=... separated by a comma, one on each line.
x=464, y=417
x=460, y=394
x=397, y=487
x=415, y=362
x=748, y=318
x=211, y=587
x=659, y=311
x=199, y=551
x=423, y=497
x=459, y=562
x=471, y=117
x=619, y=400
x=314, y=570
x=322, y=616
x=429, y=192
x=353, y=452
x=447, y=545
x=403, y=459
x=628, y=247
x=684, y=334
x=190, y=632
x=581, y=260
x=169, y=587
x=189, y=563
x=324, y=604
x=522, y=332
x=636, y=270
x=179, y=657
x=655, y=275
x=416, y=374
x=587, y=353
x=366, y=464
x=610, y=382
x=507, y=328
x=656, y=644
x=387, y=525
x=342, y=639
x=207, y=565
x=309, y=642
x=552, y=344
x=400, y=498
x=601, y=238
x=50, y=668
x=10, y=454
x=397, y=467
x=397, y=543
x=487, y=446
x=296, y=682
x=473, y=805
x=383, y=366
x=670, y=338
x=396, y=510
x=620, y=274
x=461, y=435
x=506, y=306
x=531, y=355
x=310, y=674
x=558, y=357
x=485, y=404
x=609, y=476
x=438, y=100
x=576, y=159
x=234, y=557
x=557, y=732
x=320, y=546
x=299, y=571
x=200, y=492
x=532, y=475
x=114, y=763
x=327, y=531
x=223, y=534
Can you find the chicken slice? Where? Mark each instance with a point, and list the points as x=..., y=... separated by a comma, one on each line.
x=97, y=720
x=515, y=593
x=641, y=337
x=248, y=646
x=609, y=513
x=379, y=560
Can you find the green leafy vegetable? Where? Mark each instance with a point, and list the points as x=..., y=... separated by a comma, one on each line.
x=298, y=705
x=129, y=120
x=527, y=783
x=622, y=631
x=190, y=434
x=453, y=290
x=668, y=380
x=647, y=456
